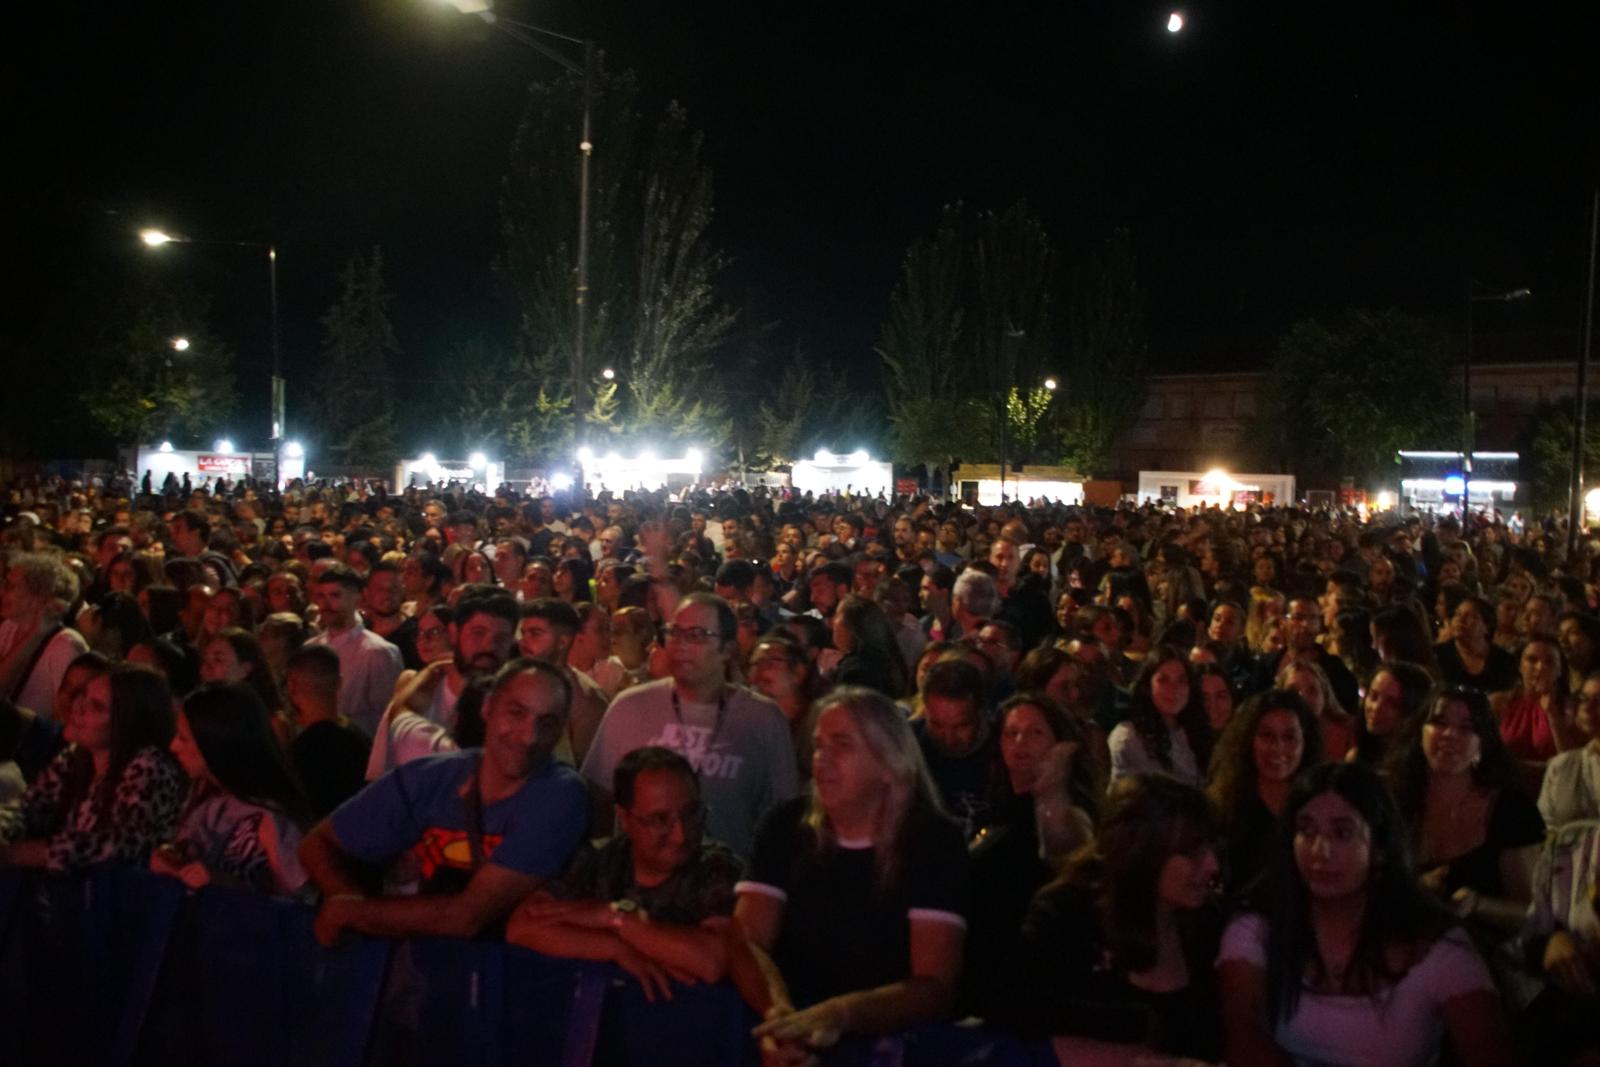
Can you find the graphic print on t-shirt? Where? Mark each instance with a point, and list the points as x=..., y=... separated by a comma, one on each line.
x=439, y=847
x=694, y=744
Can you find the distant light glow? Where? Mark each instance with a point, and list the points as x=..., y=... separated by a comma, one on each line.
x=608, y=374
x=561, y=482
x=225, y=447
x=155, y=238
x=180, y=344
x=695, y=457
x=478, y=459
x=166, y=446
x=1591, y=501
x=585, y=454
x=1385, y=500
x=1174, y=22
x=471, y=7
x=427, y=460
x=1050, y=384
x=1454, y=484
x=646, y=471
x=294, y=449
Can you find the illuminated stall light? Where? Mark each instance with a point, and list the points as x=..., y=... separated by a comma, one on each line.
x=646, y=471
x=855, y=472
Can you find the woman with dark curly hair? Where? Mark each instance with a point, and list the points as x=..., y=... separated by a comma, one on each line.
x=1272, y=739
x=1476, y=833
x=1166, y=729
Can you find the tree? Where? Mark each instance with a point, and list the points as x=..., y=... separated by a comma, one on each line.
x=654, y=313
x=967, y=339
x=143, y=388
x=1342, y=398
x=1546, y=454
x=355, y=407
x=1106, y=375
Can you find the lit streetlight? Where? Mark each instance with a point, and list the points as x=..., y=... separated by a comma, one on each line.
x=608, y=374
x=180, y=344
x=528, y=34
x=155, y=238
x=1050, y=384
x=1175, y=22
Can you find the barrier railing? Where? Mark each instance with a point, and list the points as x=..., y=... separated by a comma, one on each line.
x=122, y=967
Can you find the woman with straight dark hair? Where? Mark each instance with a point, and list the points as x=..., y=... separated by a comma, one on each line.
x=571, y=580
x=871, y=654
x=113, y=793
x=1117, y=952
x=869, y=831
x=1009, y=862
x=1399, y=635
x=1166, y=730
x=1272, y=739
x=235, y=655
x=1475, y=832
x=1396, y=694
x=246, y=811
x=1341, y=957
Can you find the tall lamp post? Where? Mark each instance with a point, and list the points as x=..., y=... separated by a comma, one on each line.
x=158, y=238
x=528, y=34
x=1467, y=428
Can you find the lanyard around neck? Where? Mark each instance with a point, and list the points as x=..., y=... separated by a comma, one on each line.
x=722, y=707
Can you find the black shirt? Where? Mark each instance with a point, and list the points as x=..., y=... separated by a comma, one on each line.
x=1062, y=978
x=842, y=931
x=963, y=781
x=331, y=759
x=1500, y=671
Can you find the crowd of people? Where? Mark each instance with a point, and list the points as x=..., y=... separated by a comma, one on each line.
x=1260, y=786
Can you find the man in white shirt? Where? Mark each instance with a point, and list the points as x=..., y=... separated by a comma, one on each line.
x=368, y=665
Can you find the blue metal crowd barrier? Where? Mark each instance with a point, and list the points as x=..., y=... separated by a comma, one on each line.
x=122, y=967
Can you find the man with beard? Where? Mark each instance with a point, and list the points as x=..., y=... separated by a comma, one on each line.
x=483, y=636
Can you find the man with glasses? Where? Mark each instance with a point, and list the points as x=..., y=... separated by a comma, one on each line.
x=738, y=742
x=1301, y=624
x=654, y=899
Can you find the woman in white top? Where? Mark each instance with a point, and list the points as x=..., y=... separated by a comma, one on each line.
x=1344, y=960
x=1167, y=731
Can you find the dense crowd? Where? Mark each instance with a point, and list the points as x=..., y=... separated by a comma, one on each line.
x=1265, y=786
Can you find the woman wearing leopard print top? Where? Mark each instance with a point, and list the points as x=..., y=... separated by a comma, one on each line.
x=113, y=793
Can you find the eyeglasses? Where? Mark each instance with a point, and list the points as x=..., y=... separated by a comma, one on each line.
x=432, y=632
x=693, y=635
x=662, y=822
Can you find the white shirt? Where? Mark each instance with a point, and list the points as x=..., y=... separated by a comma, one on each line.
x=368, y=669
x=1401, y=1027
x=38, y=691
x=1571, y=788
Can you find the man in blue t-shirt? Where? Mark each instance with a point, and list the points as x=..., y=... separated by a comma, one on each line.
x=485, y=827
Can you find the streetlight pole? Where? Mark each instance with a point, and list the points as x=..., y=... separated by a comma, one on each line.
x=157, y=238
x=524, y=33
x=1467, y=428
x=1575, y=503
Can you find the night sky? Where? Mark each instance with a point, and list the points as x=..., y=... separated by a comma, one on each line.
x=1274, y=160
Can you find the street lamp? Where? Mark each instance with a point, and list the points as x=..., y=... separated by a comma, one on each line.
x=1175, y=22
x=524, y=33
x=180, y=344
x=1467, y=427
x=155, y=238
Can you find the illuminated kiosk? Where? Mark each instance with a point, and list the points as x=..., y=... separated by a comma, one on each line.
x=854, y=472
x=221, y=461
x=476, y=470
x=1214, y=489
x=646, y=472
x=1432, y=481
x=1059, y=485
